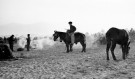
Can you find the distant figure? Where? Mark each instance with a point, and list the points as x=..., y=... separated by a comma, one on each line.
x=28, y=42
x=11, y=42
x=5, y=51
x=71, y=32
x=1, y=40
x=5, y=39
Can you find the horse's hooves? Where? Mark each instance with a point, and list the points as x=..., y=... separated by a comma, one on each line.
x=115, y=59
x=83, y=51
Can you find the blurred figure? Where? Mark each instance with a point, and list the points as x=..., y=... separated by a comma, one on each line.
x=1, y=40
x=5, y=51
x=71, y=32
x=11, y=42
x=5, y=39
x=28, y=42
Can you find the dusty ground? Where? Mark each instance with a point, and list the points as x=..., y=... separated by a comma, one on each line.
x=54, y=63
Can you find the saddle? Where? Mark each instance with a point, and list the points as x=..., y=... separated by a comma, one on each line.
x=69, y=32
x=68, y=35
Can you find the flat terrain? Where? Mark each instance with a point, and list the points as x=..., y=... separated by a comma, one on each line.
x=54, y=63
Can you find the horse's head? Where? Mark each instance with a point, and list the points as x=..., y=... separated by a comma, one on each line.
x=55, y=35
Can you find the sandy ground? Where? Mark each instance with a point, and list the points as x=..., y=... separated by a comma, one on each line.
x=54, y=63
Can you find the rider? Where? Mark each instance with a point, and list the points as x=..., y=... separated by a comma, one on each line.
x=71, y=32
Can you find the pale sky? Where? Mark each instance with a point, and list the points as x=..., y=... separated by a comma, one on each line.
x=44, y=16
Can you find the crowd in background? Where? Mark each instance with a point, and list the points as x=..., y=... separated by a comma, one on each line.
x=10, y=41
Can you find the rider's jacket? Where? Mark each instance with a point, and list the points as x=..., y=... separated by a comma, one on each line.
x=72, y=28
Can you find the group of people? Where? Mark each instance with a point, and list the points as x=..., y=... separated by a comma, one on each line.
x=6, y=50
x=11, y=41
x=71, y=31
x=7, y=46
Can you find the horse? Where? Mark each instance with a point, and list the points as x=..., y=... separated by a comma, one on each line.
x=79, y=37
x=117, y=36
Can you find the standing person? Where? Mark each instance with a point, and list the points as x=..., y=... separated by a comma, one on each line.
x=71, y=32
x=28, y=42
x=11, y=42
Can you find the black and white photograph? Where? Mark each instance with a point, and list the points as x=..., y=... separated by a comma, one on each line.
x=67, y=39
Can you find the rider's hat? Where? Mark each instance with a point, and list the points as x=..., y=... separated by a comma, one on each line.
x=69, y=22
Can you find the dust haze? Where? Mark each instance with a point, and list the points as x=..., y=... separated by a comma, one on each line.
x=46, y=42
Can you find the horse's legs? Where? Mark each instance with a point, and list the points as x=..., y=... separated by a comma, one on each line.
x=112, y=50
x=67, y=45
x=123, y=52
x=83, y=46
x=107, y=49
x=71, y=47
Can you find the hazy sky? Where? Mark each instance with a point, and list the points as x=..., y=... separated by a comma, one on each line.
x=45, y=16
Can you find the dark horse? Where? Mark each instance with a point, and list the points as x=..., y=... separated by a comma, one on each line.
x=117, y=36
x=79, y=37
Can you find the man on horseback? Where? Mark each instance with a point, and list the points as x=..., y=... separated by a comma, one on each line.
x=71, y=32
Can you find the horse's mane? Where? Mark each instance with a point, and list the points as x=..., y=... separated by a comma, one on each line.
x=65, y=32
